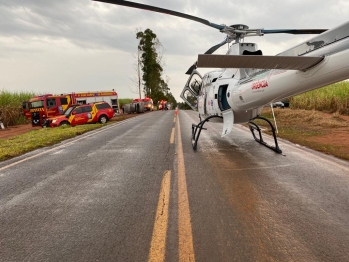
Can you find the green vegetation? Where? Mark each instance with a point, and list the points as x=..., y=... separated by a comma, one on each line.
x=326, y=133
x=150, y=62
x=38, y=138
x=184, y=106
x=11, y=107
x=332, y=98
x=124, y=101
x=21, y=144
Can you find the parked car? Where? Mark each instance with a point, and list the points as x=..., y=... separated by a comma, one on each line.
x=82, y=114
x=279, y=104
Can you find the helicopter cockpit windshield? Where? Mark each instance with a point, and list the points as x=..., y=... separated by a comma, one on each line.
x=191, y=89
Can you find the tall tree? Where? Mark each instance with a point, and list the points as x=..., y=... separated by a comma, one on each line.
x=151, y=64
x=152, y=70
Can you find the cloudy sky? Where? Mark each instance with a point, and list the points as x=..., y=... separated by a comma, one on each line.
x=81, y=45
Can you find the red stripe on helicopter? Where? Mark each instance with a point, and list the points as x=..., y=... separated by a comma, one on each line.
x=260, y=84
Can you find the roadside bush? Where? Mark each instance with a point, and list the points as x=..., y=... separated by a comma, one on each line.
x=332, y=98
x=11, y=107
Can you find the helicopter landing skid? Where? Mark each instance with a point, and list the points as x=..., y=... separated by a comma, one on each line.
x=253, y=126
x=195, y=134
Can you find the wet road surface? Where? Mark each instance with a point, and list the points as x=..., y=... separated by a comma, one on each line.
x=136, y=191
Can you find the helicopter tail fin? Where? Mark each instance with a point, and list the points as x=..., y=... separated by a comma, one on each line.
x=228, y=121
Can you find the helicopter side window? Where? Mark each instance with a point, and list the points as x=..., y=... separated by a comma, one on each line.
x=195, y=84
x=190, y=99
x=202, y=87
x=192, y=90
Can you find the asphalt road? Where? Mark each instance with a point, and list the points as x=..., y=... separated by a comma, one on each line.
x=136, y=191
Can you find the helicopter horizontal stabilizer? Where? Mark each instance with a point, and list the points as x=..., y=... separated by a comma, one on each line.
x=258, y=61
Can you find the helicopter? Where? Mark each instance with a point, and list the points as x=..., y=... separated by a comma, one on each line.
x=245, y=80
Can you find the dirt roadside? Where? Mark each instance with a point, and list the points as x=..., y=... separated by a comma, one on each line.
x=323, y=132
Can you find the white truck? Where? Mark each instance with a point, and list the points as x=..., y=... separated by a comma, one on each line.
x=111, y=97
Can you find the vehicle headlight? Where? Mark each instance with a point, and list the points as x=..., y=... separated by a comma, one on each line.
x=54, y=121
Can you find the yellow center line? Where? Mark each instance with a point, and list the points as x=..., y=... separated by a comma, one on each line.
x=158, y=242
x=174, y=120
x=172, y=136
x=185, y=245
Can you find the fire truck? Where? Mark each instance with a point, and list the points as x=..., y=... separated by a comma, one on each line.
x=41, y=107
x=162, y=105
x=139, y=105
x=147, y=103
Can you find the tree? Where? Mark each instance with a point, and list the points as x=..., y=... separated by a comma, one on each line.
x=152, y=70
x=151, y=53
x=138, y=78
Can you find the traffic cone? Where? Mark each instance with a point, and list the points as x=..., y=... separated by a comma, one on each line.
x=176, y=111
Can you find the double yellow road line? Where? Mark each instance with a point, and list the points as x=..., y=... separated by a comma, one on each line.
x=185, y=238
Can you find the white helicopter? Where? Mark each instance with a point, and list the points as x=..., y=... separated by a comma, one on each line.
x=248, y=80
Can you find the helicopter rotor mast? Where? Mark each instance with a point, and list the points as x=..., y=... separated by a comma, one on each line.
x=239, y=31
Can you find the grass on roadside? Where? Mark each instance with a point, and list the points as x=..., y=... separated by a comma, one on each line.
x=11, y=107
x=332, y=98
x=40, y=138
x=307, y=128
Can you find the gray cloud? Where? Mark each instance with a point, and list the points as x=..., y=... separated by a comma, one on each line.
x=39, y=27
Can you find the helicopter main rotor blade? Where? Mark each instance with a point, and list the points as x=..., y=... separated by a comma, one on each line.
x=208, y=52
x=204, y=21
x=294, y=31
x=214, y=48
x=163, y=11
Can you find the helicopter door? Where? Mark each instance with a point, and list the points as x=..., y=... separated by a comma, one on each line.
x=228, y=121
x=222, y=98
x=227, y=113
x=191, y=90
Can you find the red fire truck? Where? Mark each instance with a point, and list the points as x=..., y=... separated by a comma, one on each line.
x=147, y=103
x=162, y=105
x=41, y=107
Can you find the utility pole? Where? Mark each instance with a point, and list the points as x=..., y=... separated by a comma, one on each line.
x=139, y=75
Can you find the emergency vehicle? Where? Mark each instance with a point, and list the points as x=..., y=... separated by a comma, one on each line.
x=162, y=105
x=147, y=103
x=39, y=108
x=81, y=114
